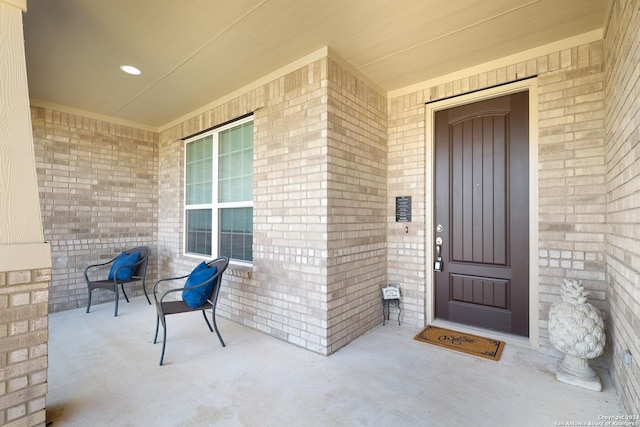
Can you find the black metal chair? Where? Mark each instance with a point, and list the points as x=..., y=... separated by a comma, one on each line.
x=209, y=288
x=121, y=273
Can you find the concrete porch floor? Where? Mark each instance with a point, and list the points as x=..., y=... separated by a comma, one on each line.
x=103, y=371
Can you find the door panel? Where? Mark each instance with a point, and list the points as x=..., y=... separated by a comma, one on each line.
x=482, y=204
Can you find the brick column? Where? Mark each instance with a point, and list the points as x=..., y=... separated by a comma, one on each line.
x=25, y=260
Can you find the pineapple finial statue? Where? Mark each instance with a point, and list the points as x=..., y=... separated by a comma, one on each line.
x=576, y=329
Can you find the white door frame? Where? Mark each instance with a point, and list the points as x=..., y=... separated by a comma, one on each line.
x=530, y=85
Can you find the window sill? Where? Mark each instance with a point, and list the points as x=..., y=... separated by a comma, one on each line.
x=243, y=271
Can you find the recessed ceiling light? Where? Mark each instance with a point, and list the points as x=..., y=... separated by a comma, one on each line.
x=130, y=69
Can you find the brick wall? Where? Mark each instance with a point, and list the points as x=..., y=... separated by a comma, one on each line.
x=622, y=123
x=171, y=261
x=406, y=177
x=356, y=205
x=290, y=211
x=314, y=279
x=98, y=195
x=283, y=294
x=23, y=346
x=239, y=292
x=571, y=176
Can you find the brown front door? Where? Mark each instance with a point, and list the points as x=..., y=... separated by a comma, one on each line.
x=482, y=212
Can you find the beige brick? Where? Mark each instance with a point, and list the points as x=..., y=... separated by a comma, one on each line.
x=18, y=277
x=18, y=383
x=16, y=412
x=19, y=299
x=19, y=355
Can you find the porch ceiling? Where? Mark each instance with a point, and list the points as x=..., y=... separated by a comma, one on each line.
x=192, y=52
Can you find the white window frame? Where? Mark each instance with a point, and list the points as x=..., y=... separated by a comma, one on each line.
x=214, y=206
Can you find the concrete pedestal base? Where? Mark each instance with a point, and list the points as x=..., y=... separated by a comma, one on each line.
x=585, y=378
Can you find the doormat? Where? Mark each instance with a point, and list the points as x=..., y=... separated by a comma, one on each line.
x=458, y=341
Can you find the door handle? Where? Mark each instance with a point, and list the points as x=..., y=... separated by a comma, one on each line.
x=437, y=265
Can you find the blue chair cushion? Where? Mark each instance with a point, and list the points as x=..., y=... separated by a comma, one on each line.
x=198, y=297
x=124, y=259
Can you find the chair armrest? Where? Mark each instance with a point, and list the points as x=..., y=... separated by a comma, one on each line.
x=86, y=270
x=154, y=289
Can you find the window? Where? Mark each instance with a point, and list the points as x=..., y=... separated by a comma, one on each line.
x=219, y=192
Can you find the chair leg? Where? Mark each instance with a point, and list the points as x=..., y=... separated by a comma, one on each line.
x=144, y=288
x=164, y=334
x=164, y=340
x=207, y=320
x=89, y=299
x=117, y=297
x=123, y=292
x=213, y=317
x=215, y=325
x=155, y=337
